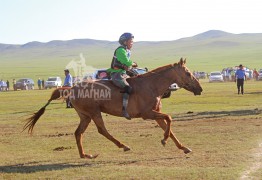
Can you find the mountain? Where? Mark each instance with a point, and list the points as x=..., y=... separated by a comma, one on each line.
x=212, y=34
x=56, y=43
x=214, y=37
x=207, y=51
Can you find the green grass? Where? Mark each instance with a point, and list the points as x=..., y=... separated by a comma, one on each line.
x=223, y=131
x=215, y=97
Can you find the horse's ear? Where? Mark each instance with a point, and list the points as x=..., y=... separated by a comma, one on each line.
x=181, y=62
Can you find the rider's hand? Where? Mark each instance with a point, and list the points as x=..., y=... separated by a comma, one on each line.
x=125, y=67
x=134, y=64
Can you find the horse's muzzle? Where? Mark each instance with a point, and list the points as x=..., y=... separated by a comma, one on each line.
x=198, y=91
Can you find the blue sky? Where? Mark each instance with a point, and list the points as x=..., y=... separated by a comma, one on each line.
x=23, y=21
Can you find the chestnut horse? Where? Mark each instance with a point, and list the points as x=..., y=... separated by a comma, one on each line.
x=90, y=99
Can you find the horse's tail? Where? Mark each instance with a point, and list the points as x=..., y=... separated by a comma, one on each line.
x=31, y=121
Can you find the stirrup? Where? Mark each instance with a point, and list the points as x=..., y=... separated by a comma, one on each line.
x=124, y=108
x=126, y=115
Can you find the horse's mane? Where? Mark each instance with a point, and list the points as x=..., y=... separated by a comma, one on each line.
x=157, y=70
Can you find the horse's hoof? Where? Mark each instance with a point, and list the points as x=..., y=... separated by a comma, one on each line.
x=186, y=150
x=163, y=142
x=93, y=156
x=89, y=156
x=126, y=148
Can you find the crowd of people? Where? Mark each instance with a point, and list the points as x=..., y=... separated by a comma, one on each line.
x=5, y=85
x=229, y=73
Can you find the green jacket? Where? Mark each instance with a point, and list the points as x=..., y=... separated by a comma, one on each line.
x=123, y=56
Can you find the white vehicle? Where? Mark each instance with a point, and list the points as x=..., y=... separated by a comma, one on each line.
x=216, y=76
x=53, y=82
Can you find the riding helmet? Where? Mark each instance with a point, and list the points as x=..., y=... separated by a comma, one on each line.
x=125, y=37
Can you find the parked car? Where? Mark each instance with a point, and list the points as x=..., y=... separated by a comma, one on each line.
x=102, y=74
x=24, y=84
x=53, y=82
x=3, y=85
x=259, y=75
x=216, y=76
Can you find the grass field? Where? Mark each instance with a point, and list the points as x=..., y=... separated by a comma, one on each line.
x=223, y=129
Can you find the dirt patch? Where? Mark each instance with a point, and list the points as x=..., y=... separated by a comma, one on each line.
x=145, y=135
x=256, y=165
x=59, y=135
x=62, y=148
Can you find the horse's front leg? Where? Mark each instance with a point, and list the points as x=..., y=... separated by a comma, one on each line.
x=163, y=125
x=158, y=116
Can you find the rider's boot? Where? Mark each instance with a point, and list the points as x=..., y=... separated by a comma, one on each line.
x=125, y=103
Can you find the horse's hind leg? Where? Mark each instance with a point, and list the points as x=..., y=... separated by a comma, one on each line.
x=102, y=130
x=84, y=122
x=163, y=125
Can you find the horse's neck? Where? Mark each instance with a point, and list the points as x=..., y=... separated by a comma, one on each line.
x=160, y=81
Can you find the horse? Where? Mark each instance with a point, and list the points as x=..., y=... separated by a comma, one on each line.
x=91, y=98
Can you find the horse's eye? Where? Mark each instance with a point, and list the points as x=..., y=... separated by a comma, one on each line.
x=188, y=74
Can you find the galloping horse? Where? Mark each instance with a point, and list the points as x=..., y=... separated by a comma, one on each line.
x=90, y=99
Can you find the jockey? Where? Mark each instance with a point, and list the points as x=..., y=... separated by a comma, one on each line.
x=120, y=64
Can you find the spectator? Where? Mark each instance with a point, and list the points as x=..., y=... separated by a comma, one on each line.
x=68, y=83
x=232, y=73
x=250, y=74
x=240, y=76
x=43, y=84
x=39, y=82
x=7, y=85
x=255, y=74
x=14, y=82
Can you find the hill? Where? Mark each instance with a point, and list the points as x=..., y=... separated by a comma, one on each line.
x=207, y=51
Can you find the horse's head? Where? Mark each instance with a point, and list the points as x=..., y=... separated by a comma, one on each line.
x=185, y=79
